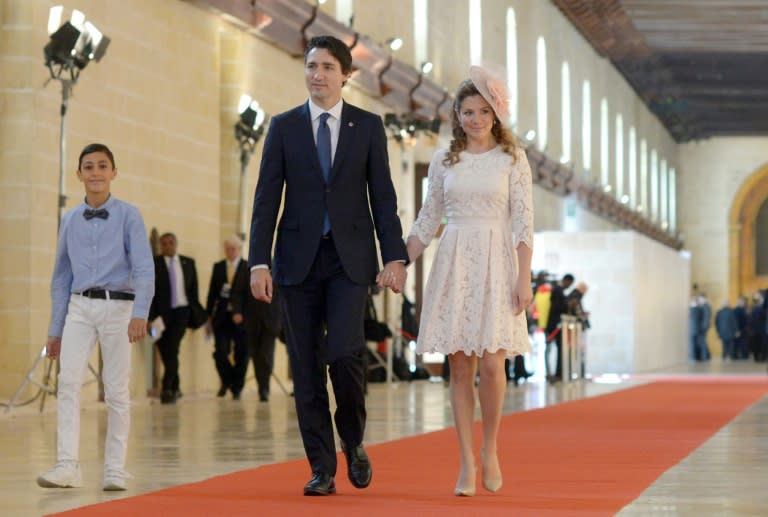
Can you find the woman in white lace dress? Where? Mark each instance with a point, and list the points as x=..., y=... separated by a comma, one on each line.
x=480, y=282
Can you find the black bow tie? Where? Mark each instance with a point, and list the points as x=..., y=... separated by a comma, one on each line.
x=101, y=213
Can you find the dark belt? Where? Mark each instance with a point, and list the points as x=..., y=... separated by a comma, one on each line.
x=103, y=294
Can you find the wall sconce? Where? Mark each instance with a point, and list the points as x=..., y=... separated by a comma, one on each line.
x=530, y=136
x=426, y=67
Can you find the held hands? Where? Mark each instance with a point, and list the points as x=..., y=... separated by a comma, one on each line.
x=393, y=276
x=261, y=285
x=522, y=295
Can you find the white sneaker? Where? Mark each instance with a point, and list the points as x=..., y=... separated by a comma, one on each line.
x=114, y=480
x=62, y=475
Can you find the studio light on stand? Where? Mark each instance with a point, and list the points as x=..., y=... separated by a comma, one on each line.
x=248, y=131
x=72, y=45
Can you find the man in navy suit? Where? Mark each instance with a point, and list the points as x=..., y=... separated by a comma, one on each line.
x=331, y=159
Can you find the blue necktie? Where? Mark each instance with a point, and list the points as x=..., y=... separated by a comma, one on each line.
x=324, y=155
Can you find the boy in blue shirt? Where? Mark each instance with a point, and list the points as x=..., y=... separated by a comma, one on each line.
x=102, y=286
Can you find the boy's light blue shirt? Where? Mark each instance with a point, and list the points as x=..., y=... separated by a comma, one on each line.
x=111, y=253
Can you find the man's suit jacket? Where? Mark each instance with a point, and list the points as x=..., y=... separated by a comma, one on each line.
x=161, y=303
x=216, y=306
x=360, y=173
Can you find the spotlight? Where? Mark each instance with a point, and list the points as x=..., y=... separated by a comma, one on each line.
x=73, y=44
x=394, y=44
x=426, y=67
x=248, y=130
x=252, y=117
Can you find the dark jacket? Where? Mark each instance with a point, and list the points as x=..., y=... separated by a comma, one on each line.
x=161, y=303
x=219, y=304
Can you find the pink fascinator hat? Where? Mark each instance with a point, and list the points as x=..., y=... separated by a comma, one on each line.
x=491, y=81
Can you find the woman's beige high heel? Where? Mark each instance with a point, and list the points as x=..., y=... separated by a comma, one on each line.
x=490, y=483
x=466, y=487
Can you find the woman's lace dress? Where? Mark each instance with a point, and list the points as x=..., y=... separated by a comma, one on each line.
x=468, y=306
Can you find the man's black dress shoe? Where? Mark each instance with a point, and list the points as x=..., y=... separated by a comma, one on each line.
x=168, y=397
x=358, y=465
x=222, y=391
x=320, y=484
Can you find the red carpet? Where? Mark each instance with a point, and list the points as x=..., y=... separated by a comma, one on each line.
x=587, y=457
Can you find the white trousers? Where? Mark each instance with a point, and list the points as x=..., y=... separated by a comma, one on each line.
x=89, y=319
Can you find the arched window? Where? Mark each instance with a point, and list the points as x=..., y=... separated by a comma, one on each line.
x=420, y=31
x=654, y=187
x=586, y=126
x=644, y=177
x=475, y=32
x=512, y=65
x=344, y=11
x=604, y=166
x=761, y=244
x=565, y=111
x=632, y=157
x=620, y=158
x=541, y=92
x=663, y=196
x=672, y=201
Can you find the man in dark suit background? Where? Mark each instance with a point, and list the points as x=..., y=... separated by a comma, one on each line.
x=226, y=319
x=558, y=306
x=176, y=297
x=262, y=326
x=331, y=157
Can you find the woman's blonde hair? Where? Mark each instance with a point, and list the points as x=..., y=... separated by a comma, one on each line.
x=503, y=136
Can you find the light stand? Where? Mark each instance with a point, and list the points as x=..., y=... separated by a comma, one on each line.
x=248, y=131
x=71, y=47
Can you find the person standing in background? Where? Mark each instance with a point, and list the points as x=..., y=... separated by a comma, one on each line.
x=175, y=295
x=226, y=319
x=557, y=307
x=262, y=326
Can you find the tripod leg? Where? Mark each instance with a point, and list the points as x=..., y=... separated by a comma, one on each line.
x=24, y=383
x=280, y=383
x=45, y=387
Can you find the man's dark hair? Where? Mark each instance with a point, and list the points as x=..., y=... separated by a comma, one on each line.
x=96, y=148
x=335, y=47
x=169, y=234
x=568, y=278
